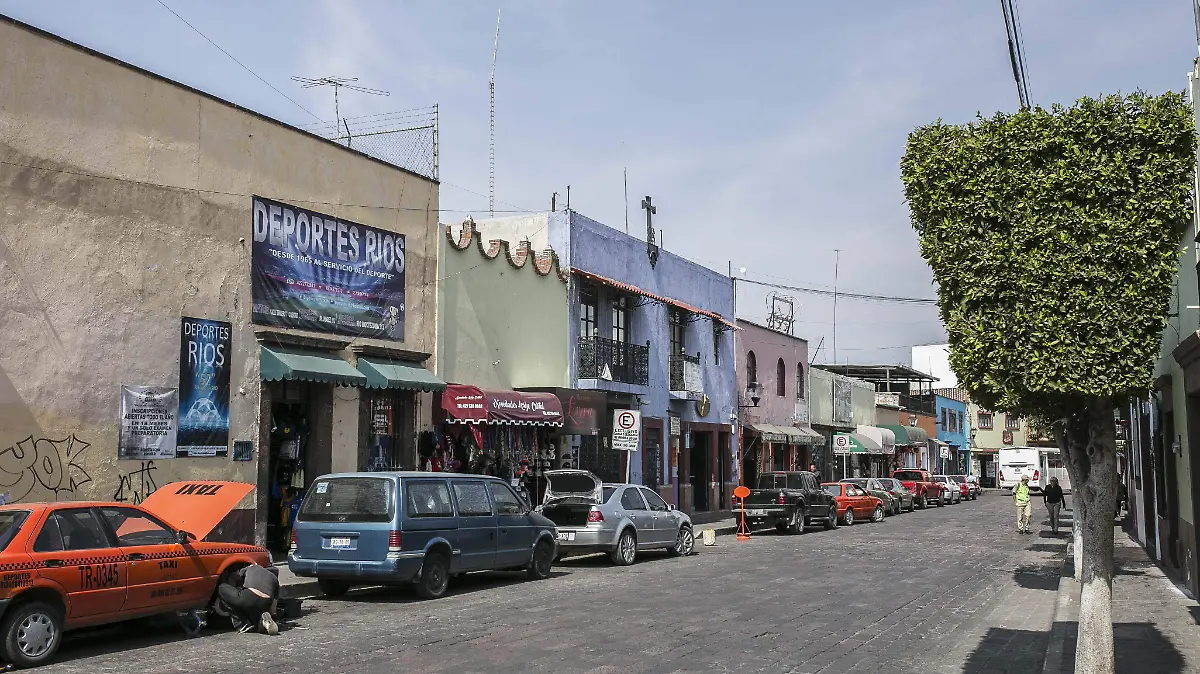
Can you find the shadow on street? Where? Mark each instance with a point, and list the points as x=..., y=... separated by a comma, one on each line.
x=1141, y=649
x=1005, y=651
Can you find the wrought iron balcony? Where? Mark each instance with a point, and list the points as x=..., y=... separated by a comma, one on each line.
x=685, y=373
x=601, y=358
x=921, y=404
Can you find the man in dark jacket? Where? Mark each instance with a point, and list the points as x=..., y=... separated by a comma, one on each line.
x=1055, y=500
x=250, y=596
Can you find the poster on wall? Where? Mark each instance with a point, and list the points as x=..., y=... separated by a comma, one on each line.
x=148, y=423
x=317, y=272
x=204, y=365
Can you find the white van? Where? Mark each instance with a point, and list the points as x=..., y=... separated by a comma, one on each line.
x=1017, y=462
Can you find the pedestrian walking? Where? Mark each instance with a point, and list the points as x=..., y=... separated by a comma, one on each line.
x=1122, y=495
x=250, y=597
x=1021, y=501
x=1055, y=500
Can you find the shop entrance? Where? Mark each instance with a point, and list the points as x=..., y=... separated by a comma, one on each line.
x=700, y=470
x=300, y=438
x=386, y=428
x=751, y=446
x=652, y=458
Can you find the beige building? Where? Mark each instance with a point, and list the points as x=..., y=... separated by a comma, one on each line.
x=127, y=203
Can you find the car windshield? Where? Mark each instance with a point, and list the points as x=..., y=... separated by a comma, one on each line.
x=910, y=475
x=857, y=480
x=833, y=489
x=10, y=524
x=348, y=499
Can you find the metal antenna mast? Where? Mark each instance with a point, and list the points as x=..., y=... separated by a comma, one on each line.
x=337, y=83
x=492, y=125
x=1016, y=53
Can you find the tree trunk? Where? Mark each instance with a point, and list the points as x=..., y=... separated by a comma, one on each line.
x=1091, y=463
x=1077, y=504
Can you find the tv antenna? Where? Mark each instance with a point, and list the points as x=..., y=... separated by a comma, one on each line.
x=782, y=317
x=338, y=83
x=492, y=125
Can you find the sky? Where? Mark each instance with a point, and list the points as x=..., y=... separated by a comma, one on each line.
x=768, y=137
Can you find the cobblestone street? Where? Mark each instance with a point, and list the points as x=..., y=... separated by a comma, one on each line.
x=950, y=589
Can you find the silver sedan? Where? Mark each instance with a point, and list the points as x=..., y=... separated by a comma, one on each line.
x=617, y=519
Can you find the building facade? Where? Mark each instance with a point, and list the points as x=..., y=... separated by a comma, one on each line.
x=952, y=429
x=151, y=330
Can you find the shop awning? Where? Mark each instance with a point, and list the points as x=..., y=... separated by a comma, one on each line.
x=277, y=363
x=855, y=443
x=405, y=375
x=652, y=296
x=907, y=435
x=869, y=445
x=884, y=437
x=472, y=405
x=770, y=432
x=808, y=436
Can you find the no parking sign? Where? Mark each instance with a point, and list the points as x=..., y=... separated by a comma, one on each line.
x=627, y=430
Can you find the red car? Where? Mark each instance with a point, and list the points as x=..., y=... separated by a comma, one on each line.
x=921, y=484
x=854, y=503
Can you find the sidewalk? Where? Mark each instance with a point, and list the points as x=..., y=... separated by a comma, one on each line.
x=1155, y=625
x=292, y=586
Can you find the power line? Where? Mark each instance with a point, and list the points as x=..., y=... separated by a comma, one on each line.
x=1016, y=53
x=234, y=59
x=842, y=295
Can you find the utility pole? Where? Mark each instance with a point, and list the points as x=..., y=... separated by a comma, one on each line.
x=736, y=413
x=836, y=260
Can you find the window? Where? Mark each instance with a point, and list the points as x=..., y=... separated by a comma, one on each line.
x=1012, y=422
x=632, y=500
x=677, y=324
x=10, y=524
x=795, y=481
x=985, y=421
x=654, y=500
x=348, y=499
x=620, y=321
x=751, y=368
x=504, y=500
x=799, y=381
x=960, y=421
x=428, y=498
x=832, y=489
x=77, y=529
x=472, y=499
x=134, y=528
x=944, y=423
x=780, y=379
x=716, y=343
x=587, y=312
x=770, y=481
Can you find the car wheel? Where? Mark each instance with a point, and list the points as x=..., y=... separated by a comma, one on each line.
x=333, y=588
x=32, y=633
x=543, y=559
x=796, y=526
x=877, y=516
x=831, y=522
x=941, y=501
x=912, y=505
x=848, y=518
x=435, y=576
x=626, y=551
x=685, y=542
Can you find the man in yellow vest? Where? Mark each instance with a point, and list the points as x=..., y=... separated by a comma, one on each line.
x=1021, y=500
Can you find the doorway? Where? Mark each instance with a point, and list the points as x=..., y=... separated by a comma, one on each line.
x=700, y=470
x=724, y=461
x=652, y=458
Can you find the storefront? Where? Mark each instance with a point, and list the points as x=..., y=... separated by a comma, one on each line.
x=508, y=434
x=882, y=463
x=853, y=455
x=911, y=447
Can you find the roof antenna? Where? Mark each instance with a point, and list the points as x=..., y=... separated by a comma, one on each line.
x=492, y=125
x=338, y=83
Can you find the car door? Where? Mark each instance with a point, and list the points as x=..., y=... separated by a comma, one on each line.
x=476, y=524
x=160, y=572
x=73, y=550
x=861, y=501
x=514, y=531
x=643, y=519
x=666, y=525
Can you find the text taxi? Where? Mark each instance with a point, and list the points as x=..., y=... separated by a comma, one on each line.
x=79, y=564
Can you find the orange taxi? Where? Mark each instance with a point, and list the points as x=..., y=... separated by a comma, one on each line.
x=854, y=502
x=79, y=564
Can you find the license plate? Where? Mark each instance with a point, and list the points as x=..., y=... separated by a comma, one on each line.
x=566, y=535
x=754, y=512
x=339, y=543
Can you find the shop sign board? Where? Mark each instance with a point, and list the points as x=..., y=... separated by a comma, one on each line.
x=674, y=421
x=313, y=271
x=204, y=365
x=149, y=423
x=581, y=411
x=843, y=409
x=627, y=430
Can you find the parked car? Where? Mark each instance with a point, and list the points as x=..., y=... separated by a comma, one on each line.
x=82, y=564
x=904, y=497
x=972, y=482
x=789, y=500
x=921, y=484
x=854, y=503
x=415, y=527
x=965, y=486
x=872, y=487
x=618, y=519
x=952, y=490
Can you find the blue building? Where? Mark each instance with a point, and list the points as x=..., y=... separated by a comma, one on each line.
x=649, y=331
x=951, y=411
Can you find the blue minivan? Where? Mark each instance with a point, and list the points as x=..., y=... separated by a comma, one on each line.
x=415, y=527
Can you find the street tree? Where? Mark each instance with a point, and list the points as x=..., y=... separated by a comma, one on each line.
x=1054, y=237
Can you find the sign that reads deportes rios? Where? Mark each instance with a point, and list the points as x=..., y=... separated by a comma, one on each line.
x=204, y=366
x=318, y=272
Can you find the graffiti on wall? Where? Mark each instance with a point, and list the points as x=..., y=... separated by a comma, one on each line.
x=42, y=469
x=136, y=485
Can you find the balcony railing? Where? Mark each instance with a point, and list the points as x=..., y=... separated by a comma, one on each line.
x=625, y=363
x=685, y=373
x=919, y=404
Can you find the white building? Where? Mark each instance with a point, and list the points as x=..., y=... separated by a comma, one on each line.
x=934, y=359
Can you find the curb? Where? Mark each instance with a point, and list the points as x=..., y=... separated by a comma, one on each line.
x=1066, y=612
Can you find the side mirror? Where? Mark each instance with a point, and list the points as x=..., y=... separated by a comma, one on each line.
x=185, y=538
x=670, y=506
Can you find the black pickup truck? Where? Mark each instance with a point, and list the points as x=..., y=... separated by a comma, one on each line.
x=789, y=500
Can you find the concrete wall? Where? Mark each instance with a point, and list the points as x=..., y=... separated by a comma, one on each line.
x=503, y=314
x=862, y=399
x=768, y=346
x=125, y=202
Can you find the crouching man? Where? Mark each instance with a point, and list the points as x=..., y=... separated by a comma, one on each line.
x=250, y=597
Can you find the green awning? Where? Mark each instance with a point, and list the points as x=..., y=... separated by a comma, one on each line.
x=399, y=374
x=846, y=443
x=276, y=363
x=906, y=435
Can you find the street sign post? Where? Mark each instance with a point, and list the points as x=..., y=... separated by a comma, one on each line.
x=626, y=434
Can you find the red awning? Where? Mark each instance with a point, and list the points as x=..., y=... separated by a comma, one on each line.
x=472, y=405
x=657, y=298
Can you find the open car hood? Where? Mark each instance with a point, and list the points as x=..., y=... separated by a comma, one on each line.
x=574, y=483
x=196, y=507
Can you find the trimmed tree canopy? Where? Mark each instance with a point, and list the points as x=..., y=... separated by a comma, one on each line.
x=1054, y=238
